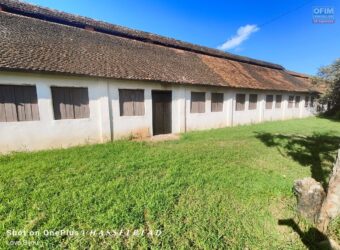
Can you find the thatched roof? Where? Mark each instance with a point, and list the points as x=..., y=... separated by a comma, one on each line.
x=39, y=39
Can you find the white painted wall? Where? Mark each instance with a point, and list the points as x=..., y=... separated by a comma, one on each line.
x=141, y=126
x=275, y=113
x=247, y=116
x=50, y=133
x=307, y=111
x=292, y=112
x=105, y=122
x=208, y=119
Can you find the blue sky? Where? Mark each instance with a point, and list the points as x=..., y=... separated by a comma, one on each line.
x=291, y=40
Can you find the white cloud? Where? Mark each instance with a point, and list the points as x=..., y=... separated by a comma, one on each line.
x=243, y=33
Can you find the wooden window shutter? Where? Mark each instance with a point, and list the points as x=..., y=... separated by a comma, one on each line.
x=312, y=101
x=297, y=101
x=8, y=103
x=58, y=105
x=138, y=103
x=216, y=102
x=290, y=101
x=2, y=105
x=125, y=102
x=269, y=101
x=70, y=103
x=252, y=101
x=278, y=101
x=306, y=101
x=240, y=102
x=197, y=102
x=18, y=103
x=80, y=103
x=131, y=102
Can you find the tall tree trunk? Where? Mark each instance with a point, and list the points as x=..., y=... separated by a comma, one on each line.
x=314, y=204
x=330, y=208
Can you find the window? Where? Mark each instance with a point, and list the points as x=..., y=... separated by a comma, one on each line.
x=18, y=103
x=306, y=101
x=252, y=101
x=216, y=102
x=297, y=101
x=278, y=101
x=290, y=101
x=197, y=102
x=312, y=101
x=269, y=101
x=70, y=103
x=240, y=102
x=131, y=102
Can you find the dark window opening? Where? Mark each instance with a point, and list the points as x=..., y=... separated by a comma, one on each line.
x=297, y=101
x=240, y=102
x=18, y=103
x=197, y=102
x=70, y=103
x=269, y=101
x=290, y=101
x=252, y=101
x=131, y=102
x=216, y=102
x=278, y=101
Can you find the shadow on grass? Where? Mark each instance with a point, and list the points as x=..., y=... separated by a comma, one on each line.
x=316, y=151
x=312, y=239
x=332, y=115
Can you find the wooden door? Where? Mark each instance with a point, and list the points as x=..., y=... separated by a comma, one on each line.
x=161, y=112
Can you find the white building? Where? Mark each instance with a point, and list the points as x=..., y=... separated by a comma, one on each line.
x=67, y=80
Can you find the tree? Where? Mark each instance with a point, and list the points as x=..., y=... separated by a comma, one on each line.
x=318, y=205
x=331, y=76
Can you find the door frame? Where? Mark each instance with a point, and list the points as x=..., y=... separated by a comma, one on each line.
x=154, y=92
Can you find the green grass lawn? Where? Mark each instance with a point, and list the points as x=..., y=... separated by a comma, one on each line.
x=223, y=188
